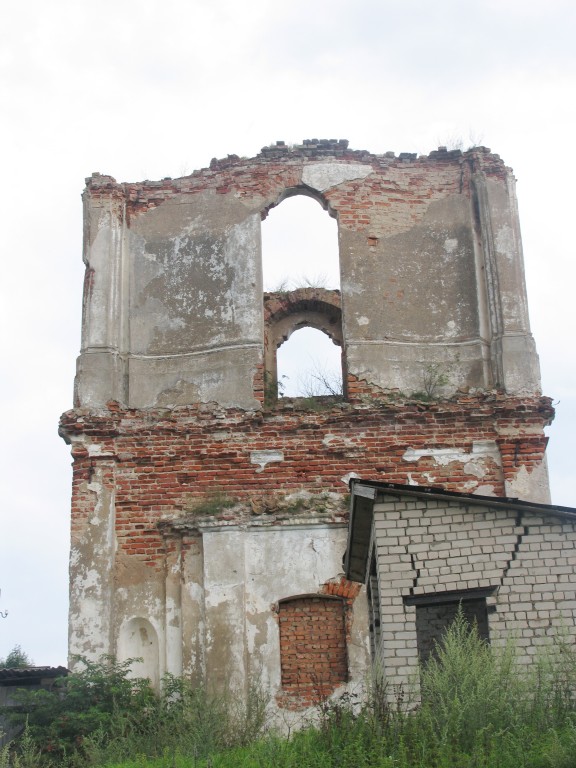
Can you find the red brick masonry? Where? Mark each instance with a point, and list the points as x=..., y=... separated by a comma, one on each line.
x=158, y=461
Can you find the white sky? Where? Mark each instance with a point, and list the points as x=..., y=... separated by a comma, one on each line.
x=148, y=88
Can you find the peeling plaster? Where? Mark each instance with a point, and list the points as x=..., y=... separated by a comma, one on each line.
x=481, y=450
x=330, y=440
x=265, y=457
x=322, y=176
x=533, y=485
x=505, y=242
x=486, y=490
x=95, y=449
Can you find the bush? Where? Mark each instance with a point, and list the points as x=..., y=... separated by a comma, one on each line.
x=100, y=698
x=101, y=714
x=479, y=707
x=16, y=659
x=473, y=693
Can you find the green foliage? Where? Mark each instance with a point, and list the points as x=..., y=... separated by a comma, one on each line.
x=4, y=754
x=479, y=707
x=101, y=697
x=29, y=755
x=273, y=389
x=16, y=659
x=471, y=688
x=211, y=504
x=100, y=714
x=434, y=378
x=468, y=688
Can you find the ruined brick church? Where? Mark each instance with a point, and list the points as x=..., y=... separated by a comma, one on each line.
x=209, y=516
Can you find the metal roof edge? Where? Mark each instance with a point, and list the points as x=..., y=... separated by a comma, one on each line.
x=437, y=492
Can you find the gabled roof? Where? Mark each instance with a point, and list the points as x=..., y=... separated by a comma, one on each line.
x=365, y=493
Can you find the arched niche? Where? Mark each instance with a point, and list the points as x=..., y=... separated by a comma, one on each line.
x=139, y=640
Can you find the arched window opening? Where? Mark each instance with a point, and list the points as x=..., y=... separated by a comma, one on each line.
x=301, y=271
x=299, y=245
x=309, y=364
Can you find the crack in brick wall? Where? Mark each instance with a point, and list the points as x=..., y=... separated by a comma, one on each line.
x=522, y=530
x=429, y=548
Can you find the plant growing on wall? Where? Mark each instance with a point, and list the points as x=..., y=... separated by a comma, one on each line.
x=211, y=504
x=434, y=378
x=320, y=381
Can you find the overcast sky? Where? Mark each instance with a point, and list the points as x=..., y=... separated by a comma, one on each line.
x=154, y=88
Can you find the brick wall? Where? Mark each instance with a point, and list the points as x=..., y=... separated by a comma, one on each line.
x=221, y=456
x=164, y=461
x=538, y=591
x=393, y=199
x=313, y=655
x=426, y=547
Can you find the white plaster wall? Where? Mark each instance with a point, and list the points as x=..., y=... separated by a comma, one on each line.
x=99, y=368
x=92, y=555
x=246, y=572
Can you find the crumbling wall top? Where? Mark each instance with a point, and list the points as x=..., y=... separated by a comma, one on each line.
x=430, y=271
x=311, y=150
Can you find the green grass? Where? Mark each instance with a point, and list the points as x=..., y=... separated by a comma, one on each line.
x=478, y=708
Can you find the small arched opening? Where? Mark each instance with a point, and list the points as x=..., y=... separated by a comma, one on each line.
x=309, y=364
x=303, y=344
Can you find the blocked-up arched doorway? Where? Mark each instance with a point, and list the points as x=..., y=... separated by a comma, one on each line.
x=313, y=650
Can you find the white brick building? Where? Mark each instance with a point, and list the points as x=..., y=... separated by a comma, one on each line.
x=422, y=552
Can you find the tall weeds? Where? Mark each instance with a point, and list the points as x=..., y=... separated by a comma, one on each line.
x=101, y=715
x=475, y=706
x=478, y=706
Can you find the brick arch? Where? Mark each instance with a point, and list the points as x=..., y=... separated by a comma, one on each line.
x=287, y=311
x=305, y=191
x=313, y=651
